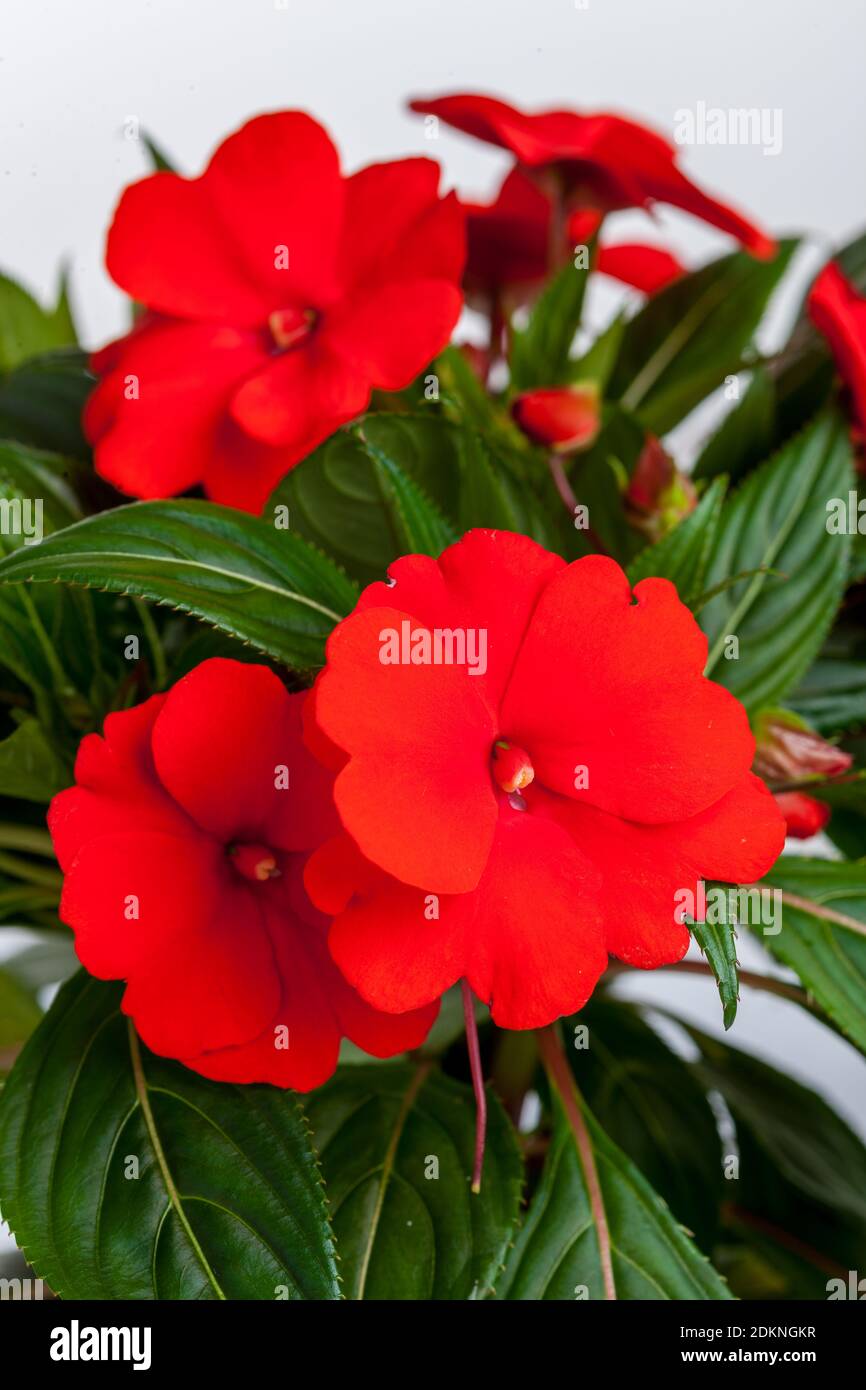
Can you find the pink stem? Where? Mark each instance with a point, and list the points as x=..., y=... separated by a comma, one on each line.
x=477, y=1084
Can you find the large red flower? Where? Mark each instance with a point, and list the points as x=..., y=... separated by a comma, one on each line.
x=604, y=161
x=513, y=817
x=183, y=843
x=279, y=294
x=839, y=311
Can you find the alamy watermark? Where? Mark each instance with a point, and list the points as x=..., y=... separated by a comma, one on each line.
x=22, y=516
x=725, y=905
x=437, y=646
x=715, y=125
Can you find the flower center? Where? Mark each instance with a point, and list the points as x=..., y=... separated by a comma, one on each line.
x=255, y=862
x=289, y=327
x=511, y=766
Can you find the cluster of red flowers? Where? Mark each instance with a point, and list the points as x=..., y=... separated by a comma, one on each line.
x=279, y=293
x=270, y=871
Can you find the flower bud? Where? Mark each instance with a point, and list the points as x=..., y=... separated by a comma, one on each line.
x=789, y=751
x=804, y=816
x=562, y=418
x=658, y=496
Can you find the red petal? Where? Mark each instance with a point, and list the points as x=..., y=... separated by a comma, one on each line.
x=489, y=580
x=198, y=959
x=206, y=248
x=202, y=742
x=416, y=794
x=839, y=312
x=509, y=239
x=300, y=398
x=648, y=268
x=316, y=1007
x=645, y=867
x=625, y=164
x=390, y=332
x=530, y=967
x=159, y=442
x=116, y=787
x=422, y=236
x=615, y=686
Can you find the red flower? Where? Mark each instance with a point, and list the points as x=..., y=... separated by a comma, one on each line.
x=564, y=418
x=804, y=816
x=509, y=244
x=839, y=312
x=279, y=294
x=605, y=161
x=508, y=240
x=183, y=852
x=632, y=769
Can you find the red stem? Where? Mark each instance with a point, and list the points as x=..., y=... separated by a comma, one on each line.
x=569, y=498
x=559, y=1072
x=477, y=1084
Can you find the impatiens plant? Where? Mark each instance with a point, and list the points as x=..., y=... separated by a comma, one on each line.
x=424, y=693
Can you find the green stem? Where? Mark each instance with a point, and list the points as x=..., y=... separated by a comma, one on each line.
x=62, y=683
x=160, y=670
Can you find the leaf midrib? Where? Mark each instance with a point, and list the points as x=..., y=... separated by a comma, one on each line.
x=84, y=556
x=153, y=1134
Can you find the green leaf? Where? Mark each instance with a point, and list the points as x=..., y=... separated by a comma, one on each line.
x=787, y=1215
x=467, y=403
x=829, y=957
x=718, y=943
x=682, y=556
x=847, y=798
x=26, y=329
x=36, y=498
x=262, y=585
x=648, y=1103
x=383, y=1133
x=598, y=478
x=599, y=360
x=19, y=1012
x=778, y=519
x=799, y=1134
x=29, y=766
x=539, y=354
x=157, y=156
x=555, y=1255
x=689, y=337
x=423, y=529
x=227, y=1202
x=401, y=484
x=745, y=436
x=42, y=400
x=832, y=694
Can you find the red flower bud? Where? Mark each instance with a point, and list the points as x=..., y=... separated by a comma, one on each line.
x=562, y=418
x=804, y=816
x=788, y=750
x=658, y=496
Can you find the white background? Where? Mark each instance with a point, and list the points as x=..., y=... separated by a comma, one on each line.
x=72, y=74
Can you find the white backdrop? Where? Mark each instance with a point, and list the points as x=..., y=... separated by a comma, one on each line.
x=71, y=76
